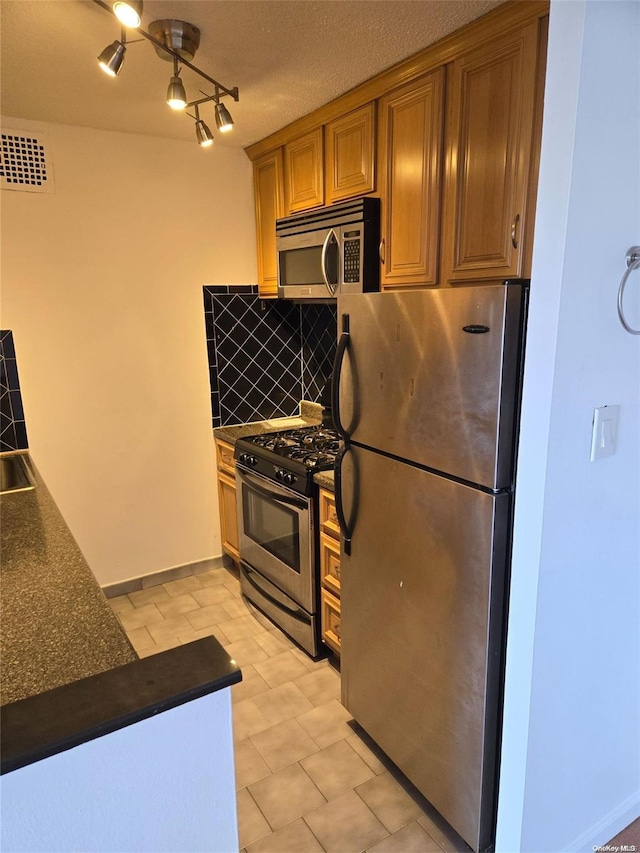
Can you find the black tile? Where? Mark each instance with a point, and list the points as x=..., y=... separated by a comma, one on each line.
x=7, y=348
x=21, y=435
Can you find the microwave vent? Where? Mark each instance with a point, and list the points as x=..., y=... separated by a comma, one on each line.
x=25, y=162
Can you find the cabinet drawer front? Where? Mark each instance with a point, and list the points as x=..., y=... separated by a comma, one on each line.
x=328, y=517
x=331, y=621
x=330, y=563
x=225, y=457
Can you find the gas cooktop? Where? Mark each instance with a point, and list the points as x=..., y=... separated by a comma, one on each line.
x=290, y=457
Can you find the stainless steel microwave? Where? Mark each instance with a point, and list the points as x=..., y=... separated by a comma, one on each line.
x=329, y=251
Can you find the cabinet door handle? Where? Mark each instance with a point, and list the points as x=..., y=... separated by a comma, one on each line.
x=514, y=230
x=381, y=251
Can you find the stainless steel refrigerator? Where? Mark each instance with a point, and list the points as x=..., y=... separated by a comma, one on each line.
x=426, y=396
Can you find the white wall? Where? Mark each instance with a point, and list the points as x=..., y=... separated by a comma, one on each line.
x=166, y=783
x=570, y=775
x=102, y=286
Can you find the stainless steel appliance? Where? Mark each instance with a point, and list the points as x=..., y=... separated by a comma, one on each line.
x=426, y=397
x=276, y=521
x=329, y=251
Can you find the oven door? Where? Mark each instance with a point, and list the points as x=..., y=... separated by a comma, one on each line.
x=309, y=264
x=275, y=527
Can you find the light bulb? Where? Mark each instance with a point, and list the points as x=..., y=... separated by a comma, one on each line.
x=129, y=13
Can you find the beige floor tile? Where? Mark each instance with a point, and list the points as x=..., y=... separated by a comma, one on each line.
x=235, y=607
x=214, y=577
x=250, y=765
x=178, y=604
x=320, y=686
x=182, y=585
x=152, y=595
x=214, y=594
x=388, y=800
x=282, y=703
x=294, y=838
x=157, y=648
x=309, y=663
x=251, y=822
x=198, y=634
x=280, y=669
x=286, y=795
x=120, y=604
x=410, y=839
x=327, y=723
x=240, y=627
x=169, y=628
x=246, y=652
x=251, y=685
x=369, y=751
x=439, y=829
x=247, y=720
x=346, y=825
x=212, y=614
x=140, y=638
x=283, y=744
x=147, y=615
x=336, y=769
x=273, y=644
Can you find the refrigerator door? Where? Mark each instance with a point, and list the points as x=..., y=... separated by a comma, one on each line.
x=431, y=376
x=422, y=621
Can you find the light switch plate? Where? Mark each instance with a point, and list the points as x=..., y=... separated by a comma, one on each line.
x=604, y=432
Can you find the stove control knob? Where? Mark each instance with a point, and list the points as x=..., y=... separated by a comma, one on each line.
x=285, y=476
x=248, y=459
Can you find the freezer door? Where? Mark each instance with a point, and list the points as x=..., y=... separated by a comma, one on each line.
x=422, y=597
x=432, y=376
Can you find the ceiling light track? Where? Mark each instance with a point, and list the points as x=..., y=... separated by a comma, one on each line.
x=180, y=40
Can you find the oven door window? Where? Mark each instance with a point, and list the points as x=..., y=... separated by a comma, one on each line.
x=273, y=526
x=303, y=266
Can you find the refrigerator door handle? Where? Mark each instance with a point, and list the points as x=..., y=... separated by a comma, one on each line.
x=345, y=530
x=343, y=343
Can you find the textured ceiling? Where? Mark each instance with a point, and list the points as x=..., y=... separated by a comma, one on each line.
x=287, y=57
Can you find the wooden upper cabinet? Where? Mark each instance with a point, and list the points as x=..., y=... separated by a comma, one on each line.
x=491, y=123
x=303, y=172
x=350, y=155
x=411, y=121
x=269, y=200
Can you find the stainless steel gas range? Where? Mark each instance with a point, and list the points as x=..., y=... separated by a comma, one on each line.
x=277, y=516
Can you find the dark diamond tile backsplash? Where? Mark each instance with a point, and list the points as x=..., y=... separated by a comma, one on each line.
x=265, y=356
x=13, y=429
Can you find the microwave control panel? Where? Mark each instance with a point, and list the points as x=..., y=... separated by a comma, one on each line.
x=352, y=256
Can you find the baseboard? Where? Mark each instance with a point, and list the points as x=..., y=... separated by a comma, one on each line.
x=608, y=826
x=165, y=575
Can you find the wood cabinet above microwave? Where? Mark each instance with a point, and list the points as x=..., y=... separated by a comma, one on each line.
x=303, y=172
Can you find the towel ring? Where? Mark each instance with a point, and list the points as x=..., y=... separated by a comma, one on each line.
x=633, y=263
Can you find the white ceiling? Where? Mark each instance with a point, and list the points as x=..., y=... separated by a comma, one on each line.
x=287, y=57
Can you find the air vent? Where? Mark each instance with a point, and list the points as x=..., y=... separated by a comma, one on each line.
x=25, y=163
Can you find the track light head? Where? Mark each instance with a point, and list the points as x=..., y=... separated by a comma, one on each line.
x=224, y=122
x=128, y=12
x=111, y=58
x=203, y=134
x=176, y=95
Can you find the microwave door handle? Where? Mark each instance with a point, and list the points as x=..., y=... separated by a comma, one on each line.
x=299, y=503
x=323, y=261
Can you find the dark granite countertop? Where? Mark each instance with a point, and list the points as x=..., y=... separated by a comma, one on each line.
x=310, y=414
x=57, y=626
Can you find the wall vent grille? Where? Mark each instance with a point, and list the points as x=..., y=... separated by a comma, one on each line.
x=25, y=164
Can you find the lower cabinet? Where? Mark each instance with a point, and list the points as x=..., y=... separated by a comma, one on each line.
x=330, y=571
x=227, y=499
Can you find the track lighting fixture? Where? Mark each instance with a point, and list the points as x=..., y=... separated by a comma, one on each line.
x=224, y=122
x=176, y=95
x=173, y=40
x=128, y=13
x=112, y=57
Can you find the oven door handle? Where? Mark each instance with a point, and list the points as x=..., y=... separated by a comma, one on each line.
x=346, y=529
x=298, y=614
x=299, y=503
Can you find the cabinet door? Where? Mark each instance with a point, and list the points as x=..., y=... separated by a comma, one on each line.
x=303, y=172
x=349, y=160
x=269, y=200
x=410, y=152
x=228, y=515
x=491, y=111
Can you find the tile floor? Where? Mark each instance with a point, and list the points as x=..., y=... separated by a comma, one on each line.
x=308, y=778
